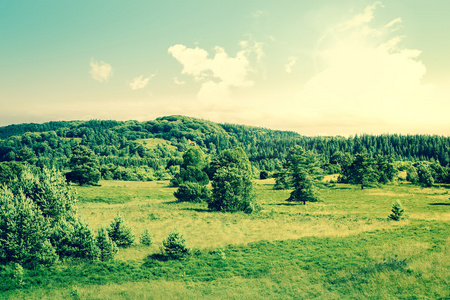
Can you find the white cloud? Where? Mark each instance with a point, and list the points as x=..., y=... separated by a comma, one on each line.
x=101, y=71
x=217, y=74
x=291, y=62
x=365, y=84
x=360, y=19
x=179, y=82
x=397, y=22
x=140, y=82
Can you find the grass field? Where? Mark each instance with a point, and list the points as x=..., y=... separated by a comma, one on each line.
x=341, y=248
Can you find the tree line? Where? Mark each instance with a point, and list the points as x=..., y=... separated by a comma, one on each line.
x=124, y=155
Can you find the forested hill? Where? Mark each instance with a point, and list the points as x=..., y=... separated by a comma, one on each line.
x=157, y=145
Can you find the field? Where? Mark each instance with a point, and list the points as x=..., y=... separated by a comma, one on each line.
x=341, y=248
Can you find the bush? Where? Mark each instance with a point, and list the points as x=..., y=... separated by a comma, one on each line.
x=175, y=246
x=107, y=247
x=192, y=192
x=120, y=233
x=146, y=238
x=397, y=212
x=263, y=175
x=74, y=239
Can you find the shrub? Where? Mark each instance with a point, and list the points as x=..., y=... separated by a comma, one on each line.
x=175, y=246
x=263, y=175
x=107, y=247
x=192, y=192
x=397, y=212
x=74, y=239
x=120, y=233
x=146, y=238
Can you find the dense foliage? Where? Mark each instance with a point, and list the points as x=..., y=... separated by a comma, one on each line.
x=152, y=150
x=232, y=183
x=39, y=223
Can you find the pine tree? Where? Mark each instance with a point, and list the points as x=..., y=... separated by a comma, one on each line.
x=175, y=246
x=304, y=168
x=397, y=211
x=146, y=238
x=106, y=245
x=120, y=233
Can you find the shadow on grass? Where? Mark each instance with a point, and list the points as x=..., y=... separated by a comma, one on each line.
x=158, y=257
x=288, y=204
x=439, y=204
x=342, y=187
x=197, y=209
x=172, y=202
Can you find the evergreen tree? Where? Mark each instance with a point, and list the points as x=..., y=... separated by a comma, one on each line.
x=282, y=180
x=106, y=245
x=397, y=212
x=24, y=231
x=175, y=246
x=120, y=233
x=39, y=222
x=362, y=171
x=84, y=165
x=146, y=238
x=304, y=167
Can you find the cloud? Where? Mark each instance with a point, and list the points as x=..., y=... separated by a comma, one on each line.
x=365, y=82
x=179, y=82
x=140, y=82
x=217, y=74
x=101, y=71
x=360, y=19
x=291, y=62
x=397, y=22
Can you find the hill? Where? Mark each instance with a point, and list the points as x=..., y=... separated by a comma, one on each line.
x=132, y=150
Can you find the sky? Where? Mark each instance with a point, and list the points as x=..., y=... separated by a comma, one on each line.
x=321, y=67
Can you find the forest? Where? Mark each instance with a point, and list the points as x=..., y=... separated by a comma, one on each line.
x=143, y=151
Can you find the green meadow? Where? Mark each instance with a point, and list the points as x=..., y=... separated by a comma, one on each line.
x=342, y=248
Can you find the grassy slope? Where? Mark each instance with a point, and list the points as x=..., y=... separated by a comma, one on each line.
x=341, y=248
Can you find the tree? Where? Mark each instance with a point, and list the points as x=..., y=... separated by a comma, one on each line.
x=175, y=246
x=192, y=168
x=120, y=233
x=411, y=174
x=341, y=159
x=26, y=155
x=84, y=165
x=39, y=222
x=282, y=180
x=146, y=238
x=397, y=211
x=106, y=245
x=24, y=231
x=232, y=184
x=304, y=167
x=386, y=169
x=424, y=174
x=362, y=171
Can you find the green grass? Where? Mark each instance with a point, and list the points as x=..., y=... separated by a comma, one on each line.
x=342, y=248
